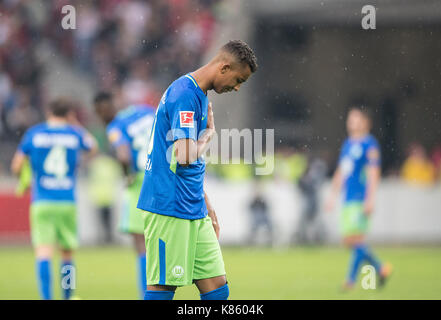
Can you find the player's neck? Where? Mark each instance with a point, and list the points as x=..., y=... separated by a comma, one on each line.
x=54, y=120
x=203, y=78
x=358, y=135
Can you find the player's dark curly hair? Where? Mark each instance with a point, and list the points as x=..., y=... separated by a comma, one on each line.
x=102, y=96
x=242, y=52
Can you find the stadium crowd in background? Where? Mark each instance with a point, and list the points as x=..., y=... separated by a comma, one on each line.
x=419, y=169
x=20, y=72
x=133, y=48
x=138, y=46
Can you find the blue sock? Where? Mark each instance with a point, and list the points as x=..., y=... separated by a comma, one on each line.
x=159, y=295
x=371, y=259
x=221, y=293
x=67, y=292
x=142, y=277
x=44, y=278
x=356, y=260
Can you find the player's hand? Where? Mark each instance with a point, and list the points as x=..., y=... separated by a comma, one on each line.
x=130, y=179
x=72, y=119
x=330, y=204
x=210, y=117
x=216, y=227
x=368, y=206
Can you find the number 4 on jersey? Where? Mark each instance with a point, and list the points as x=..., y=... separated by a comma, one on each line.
x=56, y=162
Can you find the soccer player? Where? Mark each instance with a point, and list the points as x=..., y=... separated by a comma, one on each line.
x=358, y=173
x=181, y=228
x=128, y=131
x=53, y=149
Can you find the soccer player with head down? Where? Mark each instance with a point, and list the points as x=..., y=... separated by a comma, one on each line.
x=53, y=149
x=181, y=228
x=128, y=131
x=358, y=174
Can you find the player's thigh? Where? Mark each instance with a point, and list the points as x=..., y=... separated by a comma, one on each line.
x=208, y=262
x=353, y=220
x=131, y=220
x=170, y=249
x=210, y=284
x=43, y=225
x=67, y=232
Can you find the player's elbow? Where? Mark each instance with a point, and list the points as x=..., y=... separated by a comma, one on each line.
x=14, y=169
x=185, y=152
x=184, y=160
x=94, y=151
x=16, y=165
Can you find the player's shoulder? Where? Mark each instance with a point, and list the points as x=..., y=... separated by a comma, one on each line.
x=39, y=127
x=346, y=142
x=116, y=123
x=182, y=88
x=144, y=109
x=371, y=141
x=77, y=130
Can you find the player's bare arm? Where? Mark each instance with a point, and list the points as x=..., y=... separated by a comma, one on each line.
x=17, y=162
x=336, y=185
x=188, y=150
x=73, y=120
x=123, y=156
x=373, y=176
x=212, y=215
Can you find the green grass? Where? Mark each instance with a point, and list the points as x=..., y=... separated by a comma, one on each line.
x=299, y=273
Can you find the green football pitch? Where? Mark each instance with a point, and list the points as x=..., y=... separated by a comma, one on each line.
x=253, y=273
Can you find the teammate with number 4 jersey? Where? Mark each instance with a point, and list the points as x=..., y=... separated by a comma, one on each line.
x=53, y=149
x=128, y=131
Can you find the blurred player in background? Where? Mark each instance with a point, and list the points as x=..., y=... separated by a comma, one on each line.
x=358, y=173
x=259, y=216
x=128, y=132
x=53, y=149
x=181, y=240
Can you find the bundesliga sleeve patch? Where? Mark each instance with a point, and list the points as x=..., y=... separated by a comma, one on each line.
x=114, y=135
x=186, y=119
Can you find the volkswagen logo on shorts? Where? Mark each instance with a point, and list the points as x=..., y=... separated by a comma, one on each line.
x=178, y=271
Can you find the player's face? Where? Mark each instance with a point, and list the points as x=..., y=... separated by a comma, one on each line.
x=230, y=77
x=105, y=111
x=357, y=122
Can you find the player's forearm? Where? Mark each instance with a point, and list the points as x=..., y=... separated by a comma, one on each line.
x=17, y=163
x=204, y=141
x=187, y=151
x=123, y=156
x=373, y=180
x=207, y=202
x=337, y=181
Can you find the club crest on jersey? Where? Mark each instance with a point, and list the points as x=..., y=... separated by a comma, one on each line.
x=186, y=119
x=178, y=271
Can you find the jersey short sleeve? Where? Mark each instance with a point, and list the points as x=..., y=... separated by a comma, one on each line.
x=373, y=154
x=342, y=151
x=116, y=136
x=25, y=145
x=183, y=117
x=87, y=141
